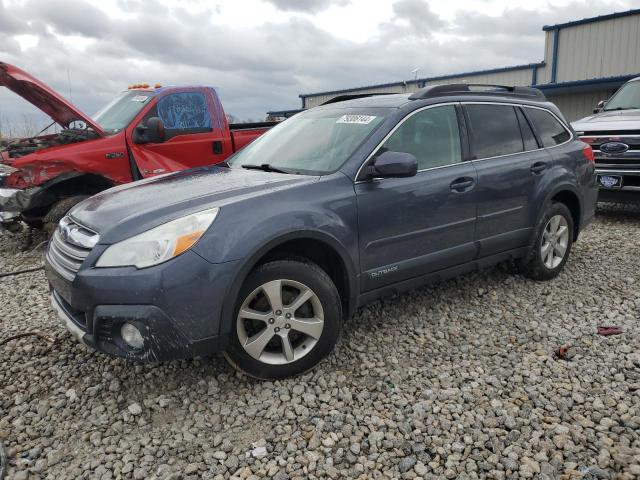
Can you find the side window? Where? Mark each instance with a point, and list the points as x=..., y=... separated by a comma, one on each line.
x=182, y=113
x=494, y=130
x=549, y=129
x=530, y=142
x=432, y=136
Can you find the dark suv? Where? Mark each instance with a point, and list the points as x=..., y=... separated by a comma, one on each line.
x=263, y=258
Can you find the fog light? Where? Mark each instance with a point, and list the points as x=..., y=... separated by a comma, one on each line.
x=131, y=335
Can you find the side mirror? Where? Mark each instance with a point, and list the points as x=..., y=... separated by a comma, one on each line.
x=152, y=132
x=393, y=165
x=155, y=130
x=599, y=106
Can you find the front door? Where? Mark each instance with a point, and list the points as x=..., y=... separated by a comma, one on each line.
x=412, y=226
x=194, y=137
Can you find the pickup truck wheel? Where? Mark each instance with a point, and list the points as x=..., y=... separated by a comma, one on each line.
x=59, y=210
x=287, y=320
x=554, y=238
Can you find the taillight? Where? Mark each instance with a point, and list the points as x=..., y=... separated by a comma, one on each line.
x=587, y=151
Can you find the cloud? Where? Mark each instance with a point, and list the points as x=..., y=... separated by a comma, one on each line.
x=306, y=6
x=69, y=18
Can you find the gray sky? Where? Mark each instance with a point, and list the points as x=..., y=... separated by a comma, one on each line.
x=261, y=54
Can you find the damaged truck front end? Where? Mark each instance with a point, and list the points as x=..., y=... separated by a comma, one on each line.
x=33, y=170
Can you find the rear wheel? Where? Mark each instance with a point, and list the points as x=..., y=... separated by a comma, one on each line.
x=288, y=317
x=551, y=249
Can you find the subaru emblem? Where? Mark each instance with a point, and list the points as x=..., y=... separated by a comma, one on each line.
x=614, y=147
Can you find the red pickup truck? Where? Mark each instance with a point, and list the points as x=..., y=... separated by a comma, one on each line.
x=145, y=131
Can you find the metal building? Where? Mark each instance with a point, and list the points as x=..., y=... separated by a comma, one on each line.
x=585, y=61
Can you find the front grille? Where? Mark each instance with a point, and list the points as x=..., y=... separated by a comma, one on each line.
x=70, y=245
x=629, y=159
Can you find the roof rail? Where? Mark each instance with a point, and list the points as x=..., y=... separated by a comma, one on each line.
x=344, y=98
x=477, y=89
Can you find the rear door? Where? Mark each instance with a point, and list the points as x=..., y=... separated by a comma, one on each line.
x=412, y=226
x=195, y=135
x=509, y=162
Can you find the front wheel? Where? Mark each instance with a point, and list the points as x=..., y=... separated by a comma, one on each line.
x=554, y=238
x=59, y=210
x=287, y=320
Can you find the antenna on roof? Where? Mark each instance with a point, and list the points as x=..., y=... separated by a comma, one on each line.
x=69, y=83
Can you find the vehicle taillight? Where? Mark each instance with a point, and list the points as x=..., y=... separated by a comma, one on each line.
x=587, y=151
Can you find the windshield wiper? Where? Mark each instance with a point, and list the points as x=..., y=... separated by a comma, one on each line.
x=264, y=166
x=620, y=108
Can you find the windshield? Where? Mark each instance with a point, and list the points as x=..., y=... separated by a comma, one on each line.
x=119, y=113
x=626, y=98
x=315, y=142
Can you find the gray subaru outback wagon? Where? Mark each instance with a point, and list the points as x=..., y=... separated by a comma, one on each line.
x=264, y=257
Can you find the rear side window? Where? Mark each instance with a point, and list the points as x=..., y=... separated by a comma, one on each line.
x=530, y=142
x=432, y=136
x=550, y=131
x=494, y=130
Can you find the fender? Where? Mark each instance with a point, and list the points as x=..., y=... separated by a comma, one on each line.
x=252, y=259
x=44, y=195
x=564, y=182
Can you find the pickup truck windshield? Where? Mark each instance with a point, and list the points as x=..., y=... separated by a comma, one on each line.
x=315, y=142
x=626, y=98
x=119, y=113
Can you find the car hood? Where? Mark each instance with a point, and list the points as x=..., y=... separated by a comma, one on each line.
x=130, y=209
x=613, y=120
x=43, y=97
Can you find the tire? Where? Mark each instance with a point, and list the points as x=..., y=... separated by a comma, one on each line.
x=289, y=351
x=59, y=210
x=538, y=264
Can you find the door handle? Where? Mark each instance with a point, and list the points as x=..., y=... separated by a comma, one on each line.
x=538, y=167
x=217, y=147
x=462, y=184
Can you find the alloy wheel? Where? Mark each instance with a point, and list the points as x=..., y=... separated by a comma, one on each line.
x=555, y=241
x=280, y=322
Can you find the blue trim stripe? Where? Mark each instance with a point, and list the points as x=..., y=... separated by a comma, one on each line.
x=421, y=81
x=603, y=82
x=592, y=19
x=282, y=113
x=554, y=59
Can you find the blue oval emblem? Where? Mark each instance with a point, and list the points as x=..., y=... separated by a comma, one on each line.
x=614, y=147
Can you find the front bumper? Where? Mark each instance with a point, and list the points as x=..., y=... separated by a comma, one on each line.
x=176, y=306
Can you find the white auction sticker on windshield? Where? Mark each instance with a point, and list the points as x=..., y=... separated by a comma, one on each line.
x=140, y=98
x=361, y=119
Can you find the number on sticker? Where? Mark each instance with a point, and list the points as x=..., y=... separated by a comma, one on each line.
x=360, y=119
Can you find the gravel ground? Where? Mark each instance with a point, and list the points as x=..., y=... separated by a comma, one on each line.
x=454, y=381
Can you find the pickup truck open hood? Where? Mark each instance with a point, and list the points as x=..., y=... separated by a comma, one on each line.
x=129, y=209
x=43, y=97
x=613, y=120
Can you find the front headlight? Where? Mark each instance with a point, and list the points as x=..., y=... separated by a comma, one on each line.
x=160, y=243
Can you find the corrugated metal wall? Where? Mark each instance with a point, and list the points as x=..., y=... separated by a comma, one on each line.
x=600, y=49
x=578, y=105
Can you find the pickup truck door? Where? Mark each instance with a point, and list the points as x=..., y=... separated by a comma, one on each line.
x=413, y=226
x=196, y=134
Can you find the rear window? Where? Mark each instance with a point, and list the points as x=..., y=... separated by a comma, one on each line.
x=550, y=131
x=495, y=130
